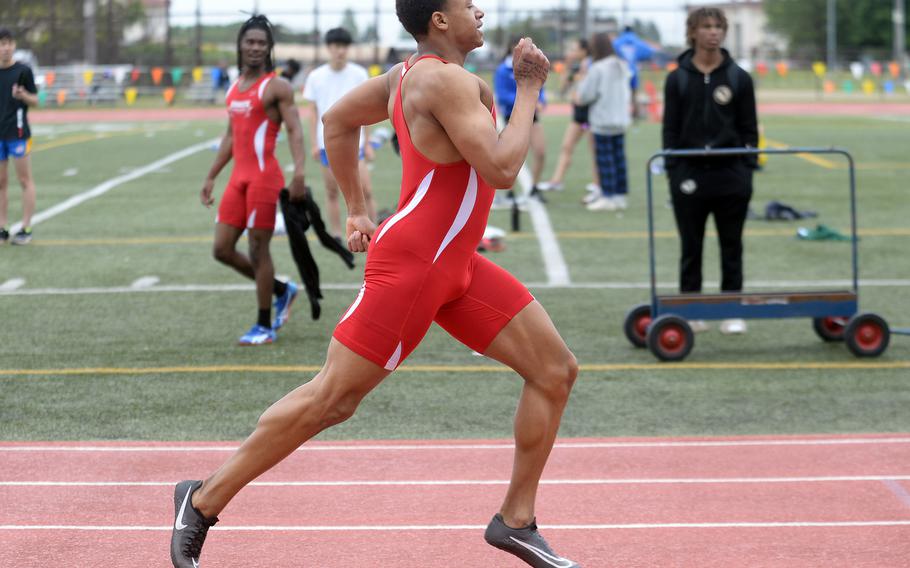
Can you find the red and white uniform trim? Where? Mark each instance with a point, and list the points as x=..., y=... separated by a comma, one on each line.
x=422, y=265
x=251, y=197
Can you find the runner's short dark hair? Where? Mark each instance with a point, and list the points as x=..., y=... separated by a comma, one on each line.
x=415, y=15
x=6, y=33
x=338, y=35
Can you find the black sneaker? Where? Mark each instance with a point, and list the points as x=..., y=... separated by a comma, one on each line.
x=4, y=236
x=190, y=527
x=526, y=544
x=23, y=237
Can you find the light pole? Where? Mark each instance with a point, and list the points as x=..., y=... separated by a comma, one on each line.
x=376, y=32
x=198, y=49
x=900, y=38
x=90, y=41
x=168, y=47
x=583, y=18
x=316, y=37
x=832, y=34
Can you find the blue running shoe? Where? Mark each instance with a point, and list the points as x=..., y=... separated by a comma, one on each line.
x=258, y=335
x=283, y=305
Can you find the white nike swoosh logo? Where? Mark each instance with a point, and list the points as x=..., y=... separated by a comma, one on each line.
x=195, y=564
x=548, y=558
x=178, y=524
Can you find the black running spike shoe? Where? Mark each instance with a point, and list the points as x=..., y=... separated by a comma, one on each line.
x=525, y=543
x=190, y=527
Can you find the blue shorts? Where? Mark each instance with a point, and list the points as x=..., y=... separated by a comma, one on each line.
x=324, y=158
x=14, y=148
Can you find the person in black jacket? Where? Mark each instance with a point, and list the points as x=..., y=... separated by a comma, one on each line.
x=710, y=103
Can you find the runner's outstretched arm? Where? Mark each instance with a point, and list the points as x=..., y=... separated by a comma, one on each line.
x=497, y=157
x=365, y=105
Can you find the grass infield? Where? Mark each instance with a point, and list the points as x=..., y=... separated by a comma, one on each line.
x=778, y=379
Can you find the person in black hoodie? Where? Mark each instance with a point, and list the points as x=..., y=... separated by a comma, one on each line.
x=710, y=103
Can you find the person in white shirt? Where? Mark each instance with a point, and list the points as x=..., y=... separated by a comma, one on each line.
x=606, y=89
x=324, y=86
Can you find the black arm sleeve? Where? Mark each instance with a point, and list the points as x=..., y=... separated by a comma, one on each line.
x=747, y=116
x=27, y=80
x=672, y=114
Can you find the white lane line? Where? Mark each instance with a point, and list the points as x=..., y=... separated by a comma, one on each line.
x=492, y=446
x=554, y=262
x=481, y=482
x=144, y=282
x=12, y=284
x=757, y=285
x=112, y=183
x=415, y=528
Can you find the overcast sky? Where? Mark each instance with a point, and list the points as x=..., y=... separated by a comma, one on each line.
x=298, y=14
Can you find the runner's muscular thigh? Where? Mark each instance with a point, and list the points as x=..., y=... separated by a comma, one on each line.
x=421, y=84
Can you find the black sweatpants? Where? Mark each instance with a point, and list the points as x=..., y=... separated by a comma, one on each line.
x=698, y=191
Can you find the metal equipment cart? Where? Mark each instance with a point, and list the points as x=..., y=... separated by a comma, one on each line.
x=662, y=325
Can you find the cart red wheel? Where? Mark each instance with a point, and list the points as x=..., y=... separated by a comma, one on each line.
x=867, y=335
x=830, y=328
x=670, y=338
x=636, y=325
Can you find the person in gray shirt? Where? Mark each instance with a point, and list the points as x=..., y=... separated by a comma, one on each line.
x=606, y=89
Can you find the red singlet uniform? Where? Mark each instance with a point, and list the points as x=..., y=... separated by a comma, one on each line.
x=251, y=197
x=423, y=266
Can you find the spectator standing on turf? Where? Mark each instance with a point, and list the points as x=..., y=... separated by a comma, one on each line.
x=606, y=90
x=325, y=86
x=578, y=60
x=634, y=50
x=258, y=102
x=17, y=93
x=504, y=89
x=710, y=103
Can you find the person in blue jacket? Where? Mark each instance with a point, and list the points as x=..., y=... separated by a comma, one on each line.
x=504, y=89
x=634, y=50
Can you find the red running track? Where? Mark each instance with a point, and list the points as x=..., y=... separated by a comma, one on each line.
x=770, y=502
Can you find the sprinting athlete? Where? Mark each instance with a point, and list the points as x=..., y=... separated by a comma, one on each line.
x=17, y=93
x=258, y=102
x=422, y=267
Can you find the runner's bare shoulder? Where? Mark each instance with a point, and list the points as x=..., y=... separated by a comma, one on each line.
x=452, y=88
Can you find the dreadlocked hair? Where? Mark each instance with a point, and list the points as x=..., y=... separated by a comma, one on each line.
x=257, y=22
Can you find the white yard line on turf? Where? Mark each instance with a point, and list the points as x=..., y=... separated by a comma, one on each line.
x=471, y=447
x=756, y=285
x=470, y=482
x=554, y=263
x=114, y=182
x=409, y=528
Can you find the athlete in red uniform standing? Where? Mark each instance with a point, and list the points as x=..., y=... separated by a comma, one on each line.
x=257, y=104
x=422, y=267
